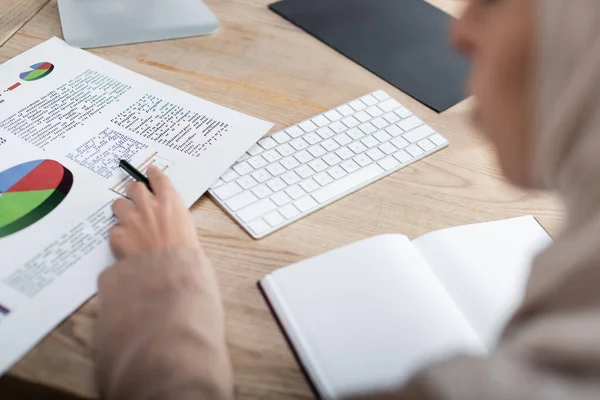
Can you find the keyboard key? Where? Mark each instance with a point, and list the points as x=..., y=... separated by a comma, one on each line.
x=394, y=130
x=319, y=165
x=256, y=210
x=337, y=172
x=344, y=153
x=320, y=121
x=294, y=131
x=375, y=154
x=330, y=145
x=389, y=163
x=289, y=211
x=290, y=178
x=342, y=139
x=276, y=184
x=307, y=126
x=267, y=143
x=325, y=132
x=332, y=159
x=226, y=191
x=410, y=123
x=347, y=183
x=381, y=95
x=382, y=136
x=357, y=147
x=400, y=142
x=246, y=182
x=256, y=149
x=306, y=203
x=303, y=157
x=369, y=100
x=241, y=200
x=403, y=156
x=368, y=128
x=271, y=156
x=357, y=105
x=281, y=137
x=317, y=151
x=230, y=175
x=355, y=133
x=299, y=144
x=345, y=110
x=295, y=192
x=312, y=138
x=333, y=115
x=403, y=113
x=259, y=226
x=310, y=185
x=349, y=166
x=419, y=133
x=262, y=175
x=370, y=142
x=426, y=144
x=379, y=122
x=305, y=171
x=243, y=168
x=388, y=148
x=338, y=127
x=281, y=198
x=323, y=179
x=414, y=150
x=276, y=169
x=363, y=160
x=389, y=105
x=374, y=112
x=438, y=139
x=391, y=118
x=350, y=122
x=244, y=157
x=262, y=191
x=274, y=219
x=285, y=150
x=257, y=162
x=218, y=183
x=362, y=116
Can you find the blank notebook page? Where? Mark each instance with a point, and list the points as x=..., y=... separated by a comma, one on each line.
x=367, y=316
x=485, y=268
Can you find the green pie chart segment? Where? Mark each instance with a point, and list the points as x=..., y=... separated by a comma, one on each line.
x=29, y=192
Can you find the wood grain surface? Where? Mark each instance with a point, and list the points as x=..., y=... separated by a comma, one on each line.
x=16, y=13
x=262, y=65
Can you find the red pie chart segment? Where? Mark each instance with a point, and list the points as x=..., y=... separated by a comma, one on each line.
x=47, y=175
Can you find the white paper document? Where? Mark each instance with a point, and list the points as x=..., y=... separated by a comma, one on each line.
x=66, y=119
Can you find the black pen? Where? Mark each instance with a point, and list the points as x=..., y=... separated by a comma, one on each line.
x=134, y=173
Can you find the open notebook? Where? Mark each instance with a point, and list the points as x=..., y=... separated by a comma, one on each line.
x=367, y=316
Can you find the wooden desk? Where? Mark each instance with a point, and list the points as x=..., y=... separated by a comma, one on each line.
x=262, y=65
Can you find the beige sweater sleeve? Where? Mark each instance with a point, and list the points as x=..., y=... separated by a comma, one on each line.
x=160, y=330
x=161, y=336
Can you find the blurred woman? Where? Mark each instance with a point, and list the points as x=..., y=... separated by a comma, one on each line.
x=536, y=76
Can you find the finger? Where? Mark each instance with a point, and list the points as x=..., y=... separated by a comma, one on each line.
x=118, y=241
x=122, y=208
x=139, y=194
x=159, y=182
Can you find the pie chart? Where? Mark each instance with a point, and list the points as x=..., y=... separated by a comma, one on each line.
x=29, y=192
x=38, y=71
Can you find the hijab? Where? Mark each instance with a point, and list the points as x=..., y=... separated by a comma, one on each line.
x=566, y=155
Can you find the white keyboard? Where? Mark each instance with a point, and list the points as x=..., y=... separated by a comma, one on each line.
x=301, y=169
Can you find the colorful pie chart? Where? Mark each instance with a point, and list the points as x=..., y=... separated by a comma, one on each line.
x=38, y=71
x=29, y=192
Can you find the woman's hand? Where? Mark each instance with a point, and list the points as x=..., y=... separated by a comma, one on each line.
x=151, y=221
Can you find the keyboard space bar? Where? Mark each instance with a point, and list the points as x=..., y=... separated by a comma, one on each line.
x=347, y=183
